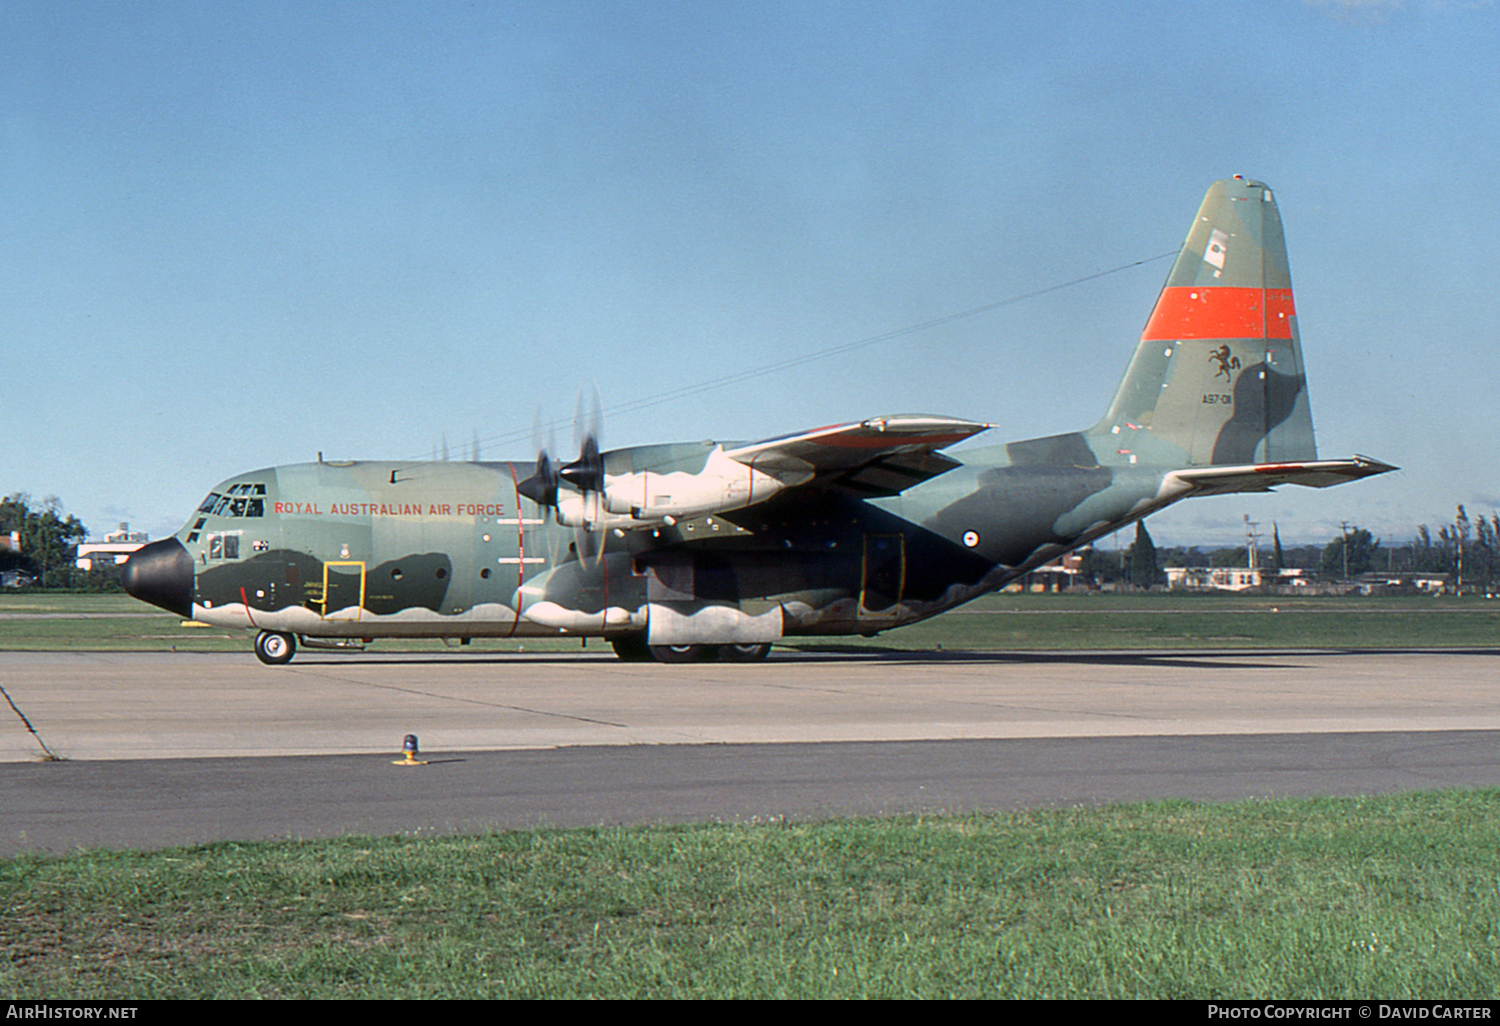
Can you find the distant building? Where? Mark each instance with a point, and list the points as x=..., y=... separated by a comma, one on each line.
x=115, y=548
x=1213, y=578
x=1404, y=584
x=1059, y=575
x=1233, y=578
x=13, y=578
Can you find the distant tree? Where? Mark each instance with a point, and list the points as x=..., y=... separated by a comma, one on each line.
x=1278, y=557
x=1482, y=555
x=1229, y=557
x=49, y=541
x=1099, y=565
x=1461, y=530
x=1449, y=551
x=1362, y=548
x=1177, y=555
x=1144, y=572
x=1425, y=556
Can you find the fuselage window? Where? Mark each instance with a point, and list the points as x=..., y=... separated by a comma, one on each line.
x=233, y=504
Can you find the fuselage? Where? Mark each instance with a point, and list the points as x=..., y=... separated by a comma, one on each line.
x=452, y=549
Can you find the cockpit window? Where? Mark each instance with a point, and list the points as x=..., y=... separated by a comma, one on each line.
x=233, y=501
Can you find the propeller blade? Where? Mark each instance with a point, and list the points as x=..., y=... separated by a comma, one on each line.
x=586, y=473
x=541, y=486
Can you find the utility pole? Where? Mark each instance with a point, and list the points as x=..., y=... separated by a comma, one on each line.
x=1458, y=537
x=1344, y=527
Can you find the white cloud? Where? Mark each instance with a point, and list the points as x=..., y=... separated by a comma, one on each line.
x=1379, y=10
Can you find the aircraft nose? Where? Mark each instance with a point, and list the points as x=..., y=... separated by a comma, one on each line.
x=161, y=573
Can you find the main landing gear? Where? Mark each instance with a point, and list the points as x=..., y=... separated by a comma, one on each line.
x=274, y=648
x=632, y=648
x=744, y=653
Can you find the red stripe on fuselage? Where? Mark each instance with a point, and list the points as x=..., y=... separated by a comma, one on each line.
x=1219, y=311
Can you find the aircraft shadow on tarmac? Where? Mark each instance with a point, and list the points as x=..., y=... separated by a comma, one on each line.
x=1227, y=659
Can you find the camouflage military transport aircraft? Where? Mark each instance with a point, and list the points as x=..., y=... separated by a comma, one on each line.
x=708, y=550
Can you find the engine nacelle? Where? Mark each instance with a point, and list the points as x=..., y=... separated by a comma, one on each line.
x=642, y=497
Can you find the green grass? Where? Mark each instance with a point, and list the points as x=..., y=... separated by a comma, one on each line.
x=1331, y=898
x=1382, y=897
x=1026, y=622
x=1020, y=622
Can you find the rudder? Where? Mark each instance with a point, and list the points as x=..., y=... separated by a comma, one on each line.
x=1217, y=377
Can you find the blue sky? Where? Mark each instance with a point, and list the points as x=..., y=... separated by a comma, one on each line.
x=239, y=235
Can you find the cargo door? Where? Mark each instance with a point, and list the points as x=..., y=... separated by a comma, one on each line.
x=882, y=576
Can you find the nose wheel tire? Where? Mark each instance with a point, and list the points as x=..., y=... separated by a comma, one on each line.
x=274, y=648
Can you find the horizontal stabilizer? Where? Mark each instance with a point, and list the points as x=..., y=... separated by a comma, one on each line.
x=1262, y=477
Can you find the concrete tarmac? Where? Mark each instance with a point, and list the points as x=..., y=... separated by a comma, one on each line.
x=175, y=748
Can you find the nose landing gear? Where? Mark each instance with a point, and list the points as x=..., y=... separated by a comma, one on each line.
x=275, y=648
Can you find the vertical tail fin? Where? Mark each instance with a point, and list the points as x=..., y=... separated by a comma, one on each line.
x=1217, y=377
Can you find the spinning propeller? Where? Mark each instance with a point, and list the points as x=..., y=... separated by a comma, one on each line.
x=582, y=504
x=541, y=486
x=586, y=473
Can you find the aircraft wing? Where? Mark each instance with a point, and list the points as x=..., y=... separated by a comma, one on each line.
x=880, y=456
x=1262, y=477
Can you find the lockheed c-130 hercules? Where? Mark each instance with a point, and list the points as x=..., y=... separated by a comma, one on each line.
x=704, y=550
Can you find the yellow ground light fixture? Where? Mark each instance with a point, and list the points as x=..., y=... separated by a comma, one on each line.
x=410, y=753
